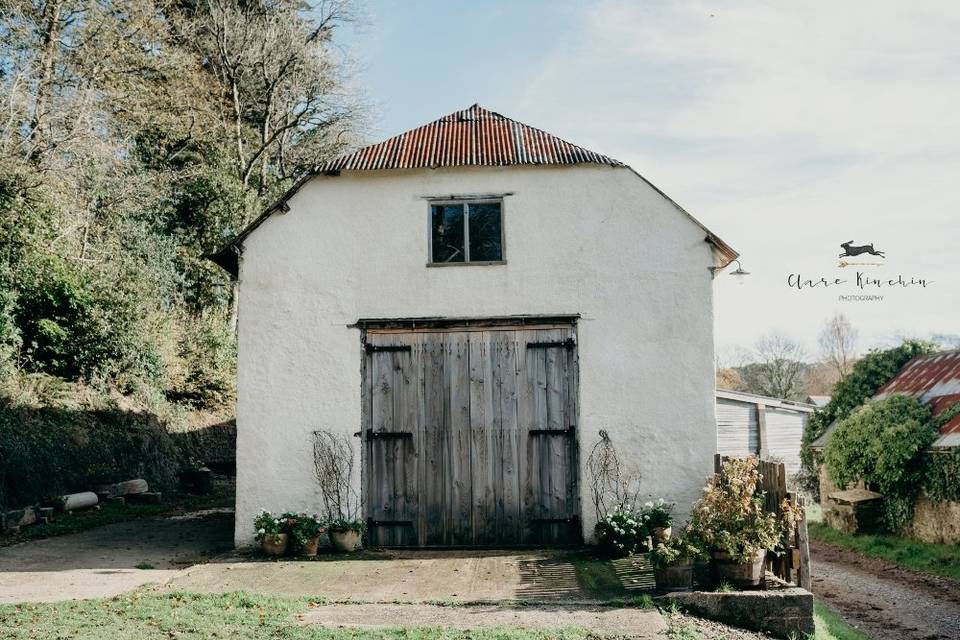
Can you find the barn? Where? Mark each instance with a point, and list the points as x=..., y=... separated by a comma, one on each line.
x=472, y=301
x=749, y=424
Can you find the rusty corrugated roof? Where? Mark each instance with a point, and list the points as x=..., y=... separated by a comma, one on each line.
x=471, y=137
x=935, y=380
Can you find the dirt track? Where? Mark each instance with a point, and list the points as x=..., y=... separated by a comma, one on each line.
x=883, y=600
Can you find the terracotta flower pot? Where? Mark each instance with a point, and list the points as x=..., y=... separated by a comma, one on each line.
x=738, y=574
x=309, y=548
x=661, y=534
x=676, y=577
x=345, y=540
x=275, y=544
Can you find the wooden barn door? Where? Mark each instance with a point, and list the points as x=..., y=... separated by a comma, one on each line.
x=469, y=437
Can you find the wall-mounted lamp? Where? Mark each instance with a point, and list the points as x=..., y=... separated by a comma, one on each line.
x=739, y=273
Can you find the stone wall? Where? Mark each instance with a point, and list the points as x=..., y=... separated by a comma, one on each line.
x=937, y=522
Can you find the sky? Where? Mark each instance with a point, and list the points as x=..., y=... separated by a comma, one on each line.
x=786, y=128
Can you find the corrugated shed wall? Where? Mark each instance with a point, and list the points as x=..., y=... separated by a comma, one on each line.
x=784, y=432
x=737, y=433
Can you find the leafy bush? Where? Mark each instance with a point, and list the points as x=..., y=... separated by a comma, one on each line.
x=621, y=533
x=869, y=374
x=208, y=354
x=941, y=480
x=883, y=444
x=658, y=515
x=730, y=517
x=680, y=549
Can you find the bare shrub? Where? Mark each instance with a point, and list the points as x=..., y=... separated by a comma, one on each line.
x=613, y=485
x=333, y=461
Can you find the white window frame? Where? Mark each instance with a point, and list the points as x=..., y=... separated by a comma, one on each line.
x=465, y=203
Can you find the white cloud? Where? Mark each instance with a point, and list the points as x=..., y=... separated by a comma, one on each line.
x=786, y=128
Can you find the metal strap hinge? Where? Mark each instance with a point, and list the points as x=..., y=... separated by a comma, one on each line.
x=389, y=434
x=568, y=344
x=371, y=348
x=552, y=432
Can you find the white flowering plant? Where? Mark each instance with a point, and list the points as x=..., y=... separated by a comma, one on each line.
x=659, y=514
x=621, y=532
x=266, y=524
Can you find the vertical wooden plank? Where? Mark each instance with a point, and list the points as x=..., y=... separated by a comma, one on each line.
x=526, y=420
x=405, y=449
x=508, y=508
x=366, y=475
x=481, y=439
x=762, y=440
x=460, y=501
x=555, y=447
x=434, y=443
x=381, y=464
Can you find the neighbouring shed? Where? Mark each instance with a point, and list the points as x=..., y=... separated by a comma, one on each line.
x=818, y=401
x=933, y=379
x=471, y=302
x=749, y=424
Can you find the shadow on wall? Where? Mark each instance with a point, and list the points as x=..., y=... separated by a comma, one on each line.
x=47, y=451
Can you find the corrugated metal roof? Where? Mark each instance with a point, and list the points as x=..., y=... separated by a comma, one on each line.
x=935, y=380
x=471, y=137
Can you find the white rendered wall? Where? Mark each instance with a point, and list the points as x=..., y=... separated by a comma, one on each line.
x=586, y=239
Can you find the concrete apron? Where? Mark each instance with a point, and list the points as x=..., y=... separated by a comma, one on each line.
x=399, y=576
x=608, y=621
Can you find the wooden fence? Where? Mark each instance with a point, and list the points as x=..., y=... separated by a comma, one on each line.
x=794, y=565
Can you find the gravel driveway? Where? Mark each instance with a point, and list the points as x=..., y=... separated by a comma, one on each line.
x=885, y=601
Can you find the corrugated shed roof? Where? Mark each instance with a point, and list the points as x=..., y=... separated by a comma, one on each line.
x=471, y=137
x=933, y=379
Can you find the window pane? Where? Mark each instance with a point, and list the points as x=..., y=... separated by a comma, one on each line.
x=485, y=234
x=447, y=226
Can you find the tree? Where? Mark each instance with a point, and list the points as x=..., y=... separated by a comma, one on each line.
x=778, y=368
x=838, y=344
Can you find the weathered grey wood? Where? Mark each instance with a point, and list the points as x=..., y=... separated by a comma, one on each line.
x=481, y=459
x=506, y=375
x=381, y=488
x=461, y=500
x=471, y=472
x=432, y=469
x=803, y=541
x=403, y=450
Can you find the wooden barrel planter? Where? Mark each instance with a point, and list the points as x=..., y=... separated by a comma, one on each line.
x=739, y=574
x=676, y=577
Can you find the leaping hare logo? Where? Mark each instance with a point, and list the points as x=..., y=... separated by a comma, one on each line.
x=850, y=250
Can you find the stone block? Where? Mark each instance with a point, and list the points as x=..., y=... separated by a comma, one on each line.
x=783, y=613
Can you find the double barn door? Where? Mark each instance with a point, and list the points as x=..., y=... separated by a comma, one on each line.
x=470, y=437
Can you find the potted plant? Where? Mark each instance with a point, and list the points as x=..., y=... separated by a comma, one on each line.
x=345, y=534
x=732, y=523
x=270, y=534
x=621, y=533
x=673, y=561
x=306, y=533
x=659, y=518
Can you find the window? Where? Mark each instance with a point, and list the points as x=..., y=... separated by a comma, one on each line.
x=466, y=232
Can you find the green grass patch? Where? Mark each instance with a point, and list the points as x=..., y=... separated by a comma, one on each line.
x=830, y=626
x=241, y=616
x=936, y=559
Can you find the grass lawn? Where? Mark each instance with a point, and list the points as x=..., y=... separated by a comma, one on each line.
x=239, y=616
x=830, y=626
x=937, y=559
